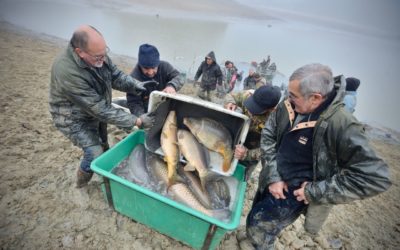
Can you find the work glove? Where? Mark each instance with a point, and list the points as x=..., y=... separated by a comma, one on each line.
x=147, y=86
x=148, y=120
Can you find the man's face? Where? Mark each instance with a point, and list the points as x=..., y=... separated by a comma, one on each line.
x=302, y=105
x=149, y=72
x=209, y=60
x=95, y=53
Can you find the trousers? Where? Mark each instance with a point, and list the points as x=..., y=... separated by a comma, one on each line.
x=269, y=216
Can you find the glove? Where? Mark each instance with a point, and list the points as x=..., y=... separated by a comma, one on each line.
x=145, y=86
x=148, y=86
x=148, y=120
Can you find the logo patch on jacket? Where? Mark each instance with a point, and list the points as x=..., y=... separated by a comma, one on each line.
x=303, y=140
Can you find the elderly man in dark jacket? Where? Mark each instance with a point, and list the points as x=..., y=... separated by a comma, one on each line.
x=211, y=75
x=314, y=155
x=149, y=68
x=82, y=79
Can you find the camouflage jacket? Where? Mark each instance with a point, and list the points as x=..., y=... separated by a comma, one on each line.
x=345, y=167
x=256, y=125
x=80, y=96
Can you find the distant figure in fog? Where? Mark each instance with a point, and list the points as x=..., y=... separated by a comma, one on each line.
x=150, y=68
x=350, y=98
x=231, y=76
x=211, y=76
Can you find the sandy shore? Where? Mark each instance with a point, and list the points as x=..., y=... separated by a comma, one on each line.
x=41, y=208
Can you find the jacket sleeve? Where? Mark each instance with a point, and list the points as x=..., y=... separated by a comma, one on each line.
x=79, y=91
x=218, y=75
x=174, y=78
x=122, y=81
x=269, y=173
x=199, y=72
x=361, y=172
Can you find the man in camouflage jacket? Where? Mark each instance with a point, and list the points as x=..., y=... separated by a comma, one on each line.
x=82, y=78
x=314, y=155
x=257, y=105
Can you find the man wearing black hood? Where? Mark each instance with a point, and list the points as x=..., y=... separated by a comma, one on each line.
x=211, y=76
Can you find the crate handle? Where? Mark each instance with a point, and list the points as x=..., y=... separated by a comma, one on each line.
x=108, y=192
x=210, y=234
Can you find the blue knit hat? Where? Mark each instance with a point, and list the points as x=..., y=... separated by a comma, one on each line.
x=148, y=56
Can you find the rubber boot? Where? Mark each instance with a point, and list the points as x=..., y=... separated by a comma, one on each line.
x=83, y=178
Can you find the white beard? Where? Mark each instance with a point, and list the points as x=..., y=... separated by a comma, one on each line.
x=98, y=64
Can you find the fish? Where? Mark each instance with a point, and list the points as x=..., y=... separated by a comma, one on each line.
x=159, y=171
x=169, y=145
x=214, y=136
x=180, y=192
x=219, y=193
x=135, y=167
x=194, y=153
x=194, y=184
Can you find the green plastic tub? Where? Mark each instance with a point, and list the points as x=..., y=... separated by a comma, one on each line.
x=158, y=212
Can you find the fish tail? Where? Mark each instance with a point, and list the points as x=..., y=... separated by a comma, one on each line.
x=203, y=182
x=226, y=165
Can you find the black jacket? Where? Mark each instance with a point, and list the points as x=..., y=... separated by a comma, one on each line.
x=211, y=74
x=166, y=75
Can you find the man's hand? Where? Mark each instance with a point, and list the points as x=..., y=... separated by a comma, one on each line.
x=299, y=193
x=240, y=152
x=169, y=90
x=277, y=188
x=147, y=120
x=146, y=86
x=231, y=106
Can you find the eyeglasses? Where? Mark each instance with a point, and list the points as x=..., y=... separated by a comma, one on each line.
x=99, y=57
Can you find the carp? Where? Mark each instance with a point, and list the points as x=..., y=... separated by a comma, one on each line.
x=194, y=153
x=219, y=193
x=134, y=169
x=179, y=191
x=194, y=184
x=169, y=145
x=214, y=136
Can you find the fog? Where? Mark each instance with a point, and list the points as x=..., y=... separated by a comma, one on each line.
x=355, y=38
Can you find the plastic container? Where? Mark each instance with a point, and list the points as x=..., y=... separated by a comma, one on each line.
x=186, y=106
x=158, y=212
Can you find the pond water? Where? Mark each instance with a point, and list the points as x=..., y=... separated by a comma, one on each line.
x=369, y=54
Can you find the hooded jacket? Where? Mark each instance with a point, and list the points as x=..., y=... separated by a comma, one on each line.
x=211, y=74
x=80, y=97
x=345, y=168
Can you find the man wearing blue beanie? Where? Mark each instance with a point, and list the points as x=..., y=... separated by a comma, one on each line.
x=150, y=68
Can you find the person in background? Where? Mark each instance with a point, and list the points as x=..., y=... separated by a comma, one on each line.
x=263, y=66
x=232, y=76
x=82, y=79
x=314, y=155
x=211, y=76
x=271, y=71
x=254, y=80
x=150, y=68
x=257, y=105
x=350, y=98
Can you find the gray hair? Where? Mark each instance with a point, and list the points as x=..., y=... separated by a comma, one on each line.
x=314, y=78
x=80, y=38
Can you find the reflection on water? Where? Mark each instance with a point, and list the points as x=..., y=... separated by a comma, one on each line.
x=185, y=42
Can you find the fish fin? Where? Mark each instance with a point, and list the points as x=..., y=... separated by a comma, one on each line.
x=189, y=167
x=226, y=165
x=171, y=182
